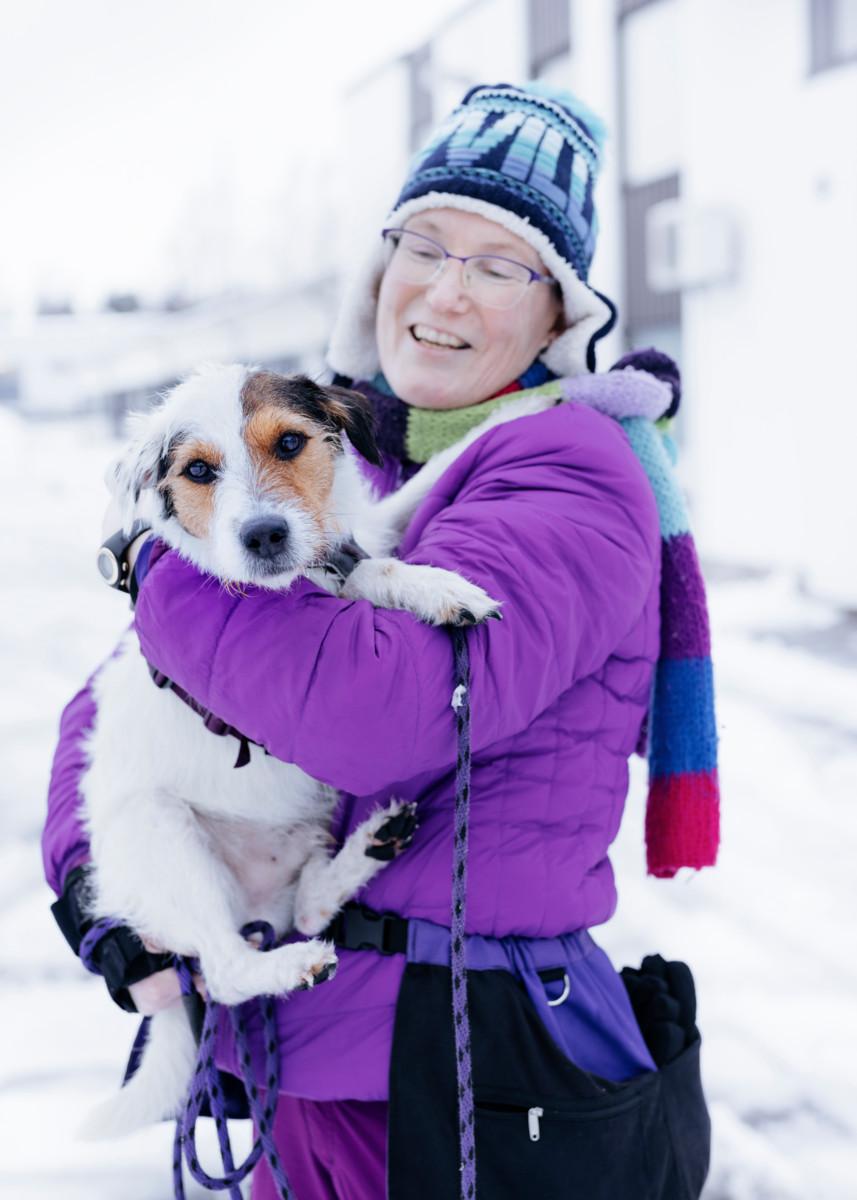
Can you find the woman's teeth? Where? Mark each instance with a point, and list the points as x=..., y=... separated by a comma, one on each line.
x=436, y=337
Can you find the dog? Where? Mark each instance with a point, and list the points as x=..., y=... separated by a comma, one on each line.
x=253, y=477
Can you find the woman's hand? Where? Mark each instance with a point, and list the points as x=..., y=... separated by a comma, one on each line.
x=156, y=992
x=159, y=991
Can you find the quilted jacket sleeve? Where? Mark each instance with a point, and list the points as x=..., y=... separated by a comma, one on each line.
x=64, y=842
x=551, y=514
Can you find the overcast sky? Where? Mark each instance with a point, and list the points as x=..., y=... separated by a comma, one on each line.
x=129, y=129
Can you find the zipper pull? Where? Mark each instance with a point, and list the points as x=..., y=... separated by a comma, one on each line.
x=533, y=1115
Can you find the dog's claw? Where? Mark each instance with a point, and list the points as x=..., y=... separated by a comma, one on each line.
x=322, y=975
x=494, y=615
x=326, y=972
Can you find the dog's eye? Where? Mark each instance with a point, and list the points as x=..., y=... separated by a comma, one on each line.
x=199, y=471
x=289, y=444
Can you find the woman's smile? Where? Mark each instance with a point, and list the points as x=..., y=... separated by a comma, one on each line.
x=430, y=337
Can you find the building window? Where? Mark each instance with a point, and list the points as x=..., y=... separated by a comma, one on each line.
x=833, y=33
x=419, y=86
x=649, y=317
x=548, y=32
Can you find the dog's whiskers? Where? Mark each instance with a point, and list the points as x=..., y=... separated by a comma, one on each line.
x=232, y=588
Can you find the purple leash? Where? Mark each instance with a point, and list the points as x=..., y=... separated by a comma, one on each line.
x=206, y=1081
x=460, y=1016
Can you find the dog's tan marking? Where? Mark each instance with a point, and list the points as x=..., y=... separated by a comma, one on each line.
x=306, y=478
x=192, y=503
x=262, y=389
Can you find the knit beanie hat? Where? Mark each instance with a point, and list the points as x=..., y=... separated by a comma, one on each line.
x=523, y=157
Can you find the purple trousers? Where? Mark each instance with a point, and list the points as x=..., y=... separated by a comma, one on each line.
x=331, y=1150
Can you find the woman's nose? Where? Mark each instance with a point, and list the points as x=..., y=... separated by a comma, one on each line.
x=447, y=289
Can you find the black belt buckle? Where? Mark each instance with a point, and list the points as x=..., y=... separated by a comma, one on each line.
x=358, y=927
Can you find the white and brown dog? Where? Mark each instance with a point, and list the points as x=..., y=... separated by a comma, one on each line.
x=249, y=476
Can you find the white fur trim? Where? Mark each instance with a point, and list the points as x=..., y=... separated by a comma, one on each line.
x=352, y=350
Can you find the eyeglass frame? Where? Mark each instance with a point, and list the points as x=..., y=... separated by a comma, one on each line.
x=535, y=276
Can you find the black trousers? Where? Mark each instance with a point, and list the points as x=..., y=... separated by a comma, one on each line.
x=645, y=1139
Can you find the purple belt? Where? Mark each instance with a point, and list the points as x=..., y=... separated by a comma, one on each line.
x=578, y=995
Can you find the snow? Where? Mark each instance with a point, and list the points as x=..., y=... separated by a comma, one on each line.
x=768, y=933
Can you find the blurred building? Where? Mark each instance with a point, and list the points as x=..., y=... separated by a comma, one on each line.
x=728, y=206
x=728, y=209
x=61, y=362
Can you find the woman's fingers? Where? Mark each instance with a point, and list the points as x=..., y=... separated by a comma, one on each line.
x=156, y=992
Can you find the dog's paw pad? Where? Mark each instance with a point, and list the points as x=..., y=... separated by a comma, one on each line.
x=395, y=835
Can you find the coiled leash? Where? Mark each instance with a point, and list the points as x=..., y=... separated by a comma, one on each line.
x=206, y=1085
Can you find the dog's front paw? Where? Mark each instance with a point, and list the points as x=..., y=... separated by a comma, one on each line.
x=320, y=965
x=394, y=834
x=457, y=601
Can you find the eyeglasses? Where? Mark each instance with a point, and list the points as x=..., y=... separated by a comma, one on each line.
x=490, y=279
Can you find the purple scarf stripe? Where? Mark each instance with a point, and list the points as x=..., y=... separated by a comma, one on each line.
x=684, y=611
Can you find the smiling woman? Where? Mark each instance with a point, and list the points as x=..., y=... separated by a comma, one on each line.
x=471, y=333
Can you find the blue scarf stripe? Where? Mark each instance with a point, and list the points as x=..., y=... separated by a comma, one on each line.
x=683, y=737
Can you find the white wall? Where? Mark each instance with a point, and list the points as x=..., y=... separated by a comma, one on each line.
x=376, y=125
x=654, y=80
x=484, y=43
x=771, y=414
x=591, y=76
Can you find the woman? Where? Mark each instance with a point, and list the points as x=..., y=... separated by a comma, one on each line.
x=477, y=290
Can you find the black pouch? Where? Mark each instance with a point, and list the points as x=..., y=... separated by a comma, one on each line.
x=544, y=1126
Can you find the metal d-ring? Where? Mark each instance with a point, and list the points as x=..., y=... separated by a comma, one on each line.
x=563, y=996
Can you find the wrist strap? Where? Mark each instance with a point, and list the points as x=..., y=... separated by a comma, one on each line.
x=117, y=954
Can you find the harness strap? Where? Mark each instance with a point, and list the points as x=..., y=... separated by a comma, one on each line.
x=210, y=720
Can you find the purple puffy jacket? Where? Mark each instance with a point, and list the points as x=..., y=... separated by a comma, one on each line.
x=552, y=514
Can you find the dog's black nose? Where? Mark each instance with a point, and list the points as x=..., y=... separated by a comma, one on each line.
x=266, y=538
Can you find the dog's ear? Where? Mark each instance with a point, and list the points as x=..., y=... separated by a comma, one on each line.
x=142, y=465
x=353, y=413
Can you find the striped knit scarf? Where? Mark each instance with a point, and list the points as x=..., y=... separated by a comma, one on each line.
x=641, y=391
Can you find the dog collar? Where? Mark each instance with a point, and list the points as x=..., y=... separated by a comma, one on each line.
x=113, y=557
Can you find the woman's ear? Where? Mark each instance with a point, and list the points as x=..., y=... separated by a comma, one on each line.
x=559, y=326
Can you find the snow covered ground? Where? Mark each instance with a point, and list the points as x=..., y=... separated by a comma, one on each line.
x=768, y=933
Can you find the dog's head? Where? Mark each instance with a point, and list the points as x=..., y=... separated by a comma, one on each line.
x=244, y=472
